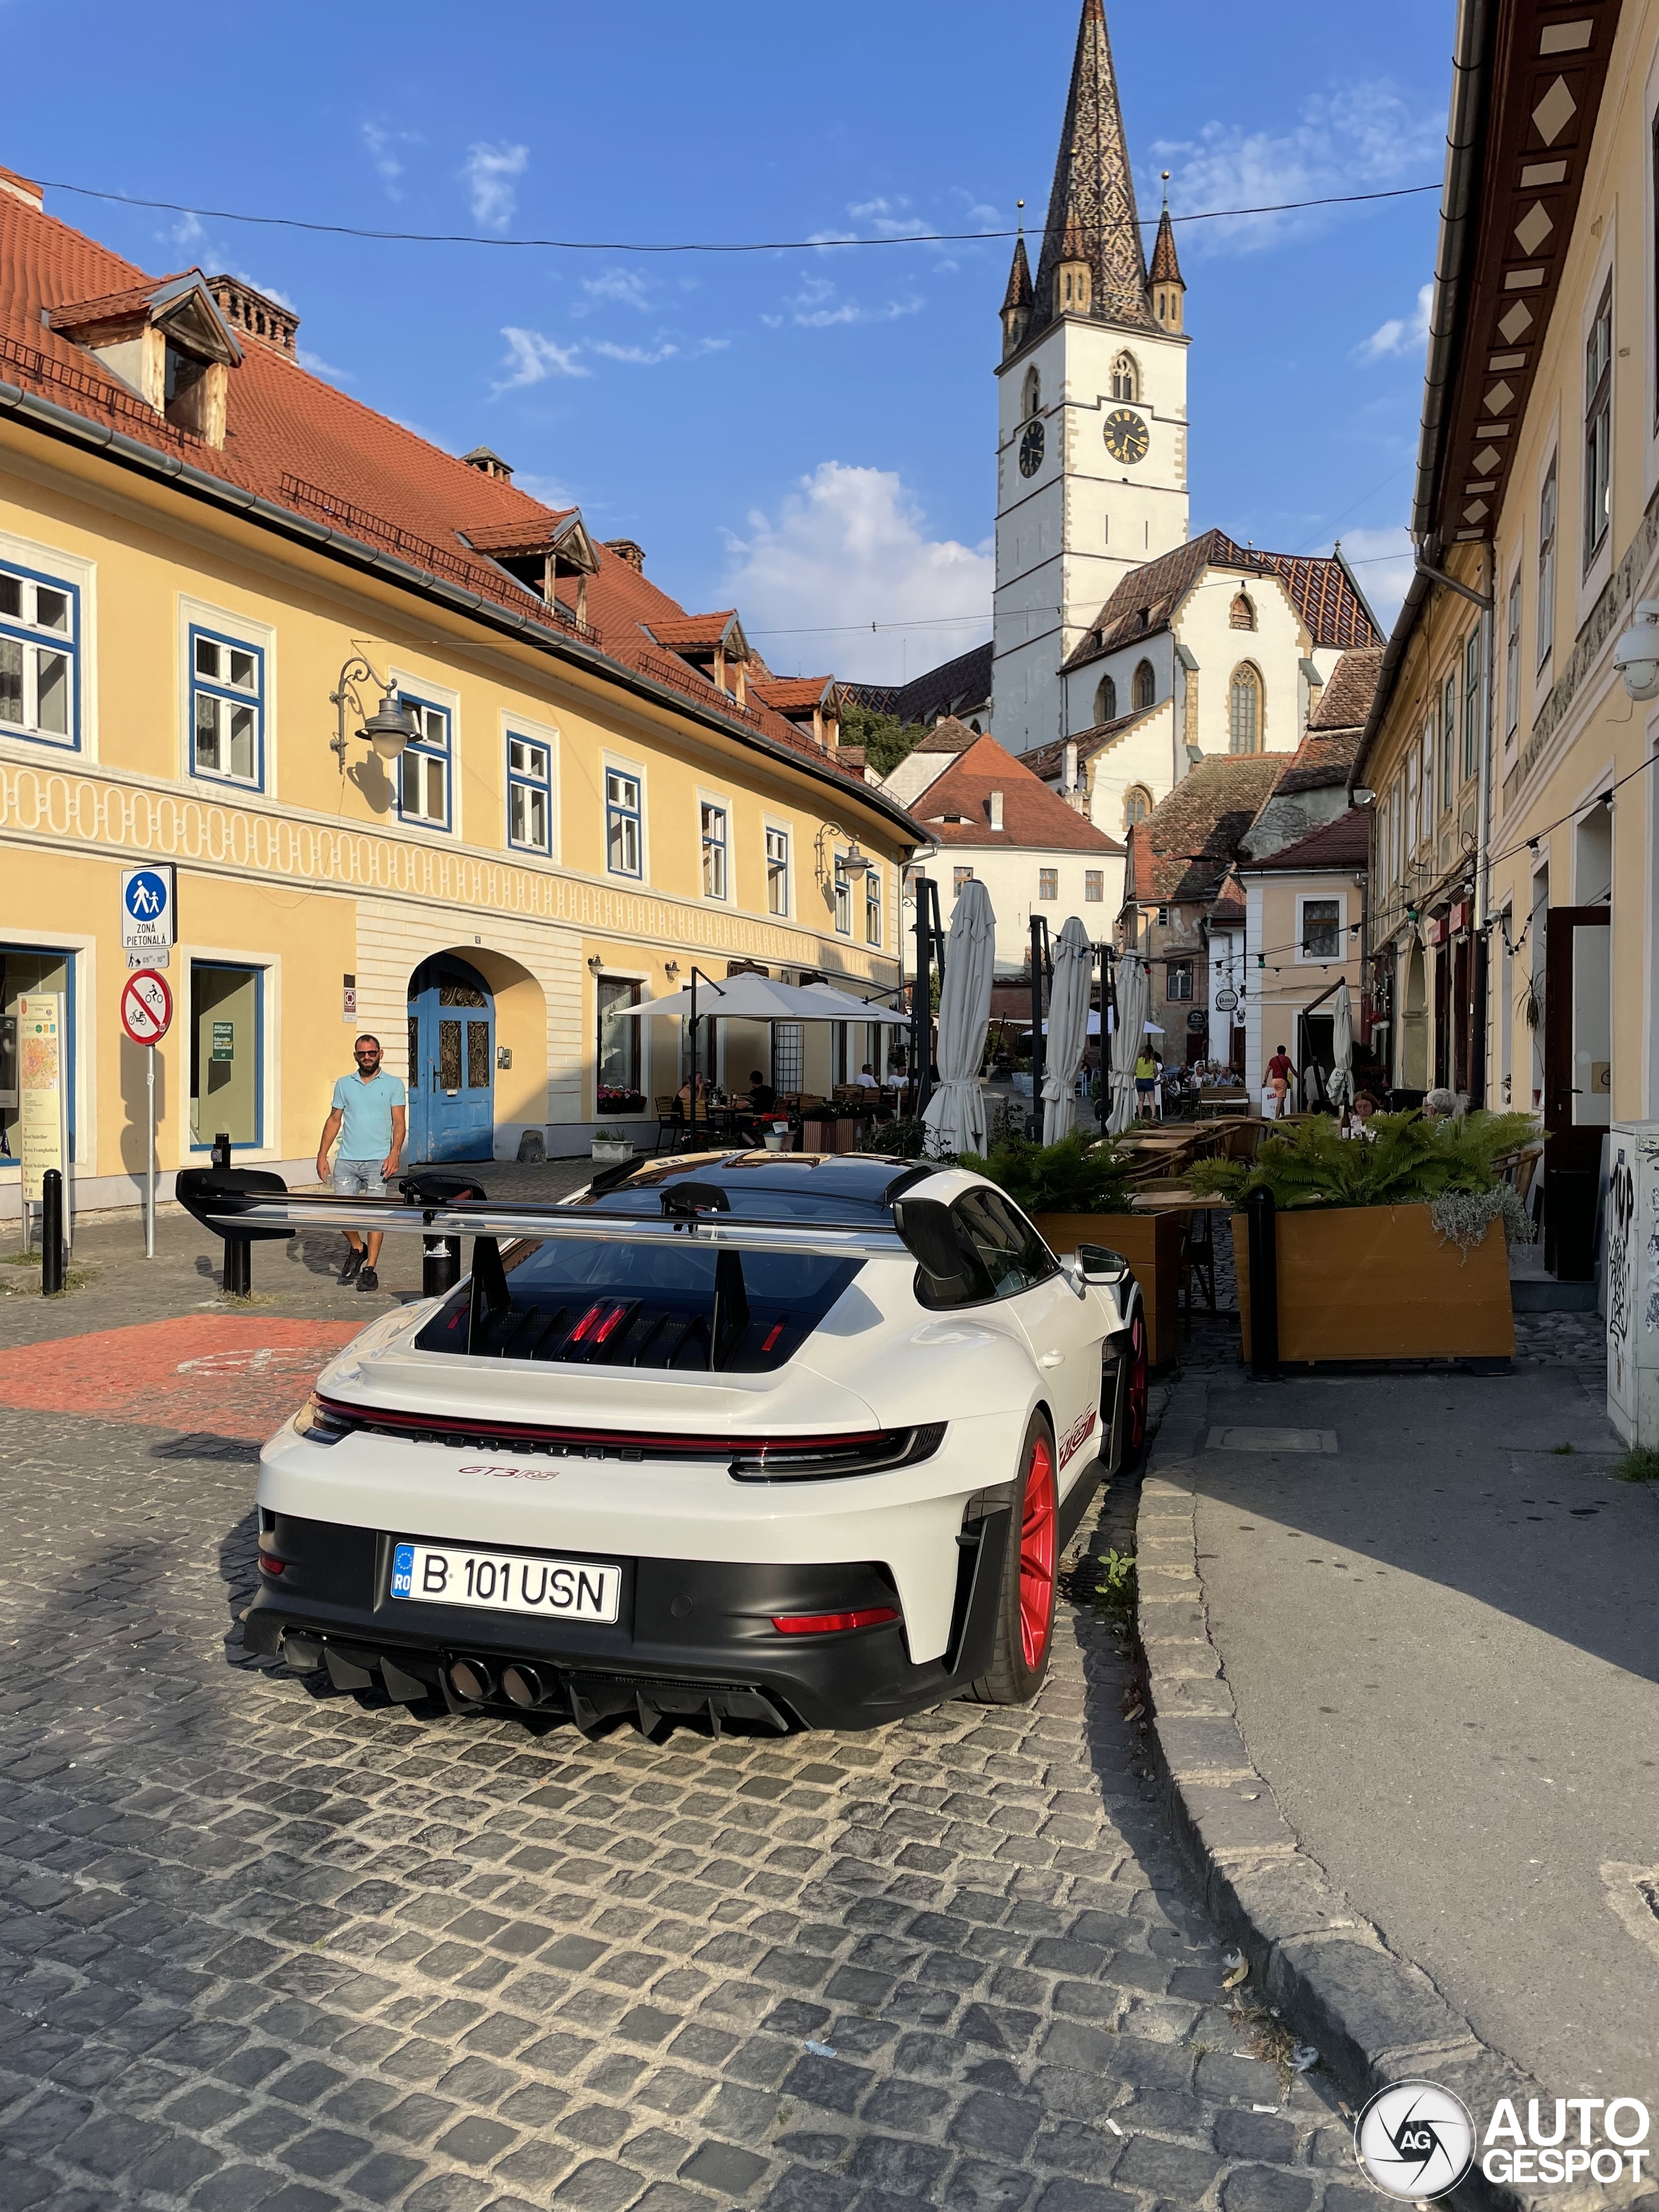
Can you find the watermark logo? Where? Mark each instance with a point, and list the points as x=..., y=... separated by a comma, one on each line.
x=1415, y=2139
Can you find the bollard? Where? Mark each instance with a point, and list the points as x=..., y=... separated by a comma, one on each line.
x=222, y=1149
x=51, y=1232
x=440, y=1264
x=1264, y=1285
x=239, y=1267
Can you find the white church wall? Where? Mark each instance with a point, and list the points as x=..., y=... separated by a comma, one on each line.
x=1274, y=648
x=1141, y=759
x=1083, y=684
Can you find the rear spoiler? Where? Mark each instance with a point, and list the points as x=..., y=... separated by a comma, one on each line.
x=562, y=1224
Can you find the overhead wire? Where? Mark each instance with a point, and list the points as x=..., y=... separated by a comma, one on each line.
x=638, y=246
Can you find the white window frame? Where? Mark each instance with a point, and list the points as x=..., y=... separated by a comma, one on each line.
x=1304, y=957
x=717, y=802
x=1094, y=886
x=516, y=730
x=427, y=698
x=779, y=847
x=874, y=907
x=1549, y=546
x=629, y=771
x=1050, y=878
x=226, y=627
x=1514, y=605
x=840, y=895
x=42, y=568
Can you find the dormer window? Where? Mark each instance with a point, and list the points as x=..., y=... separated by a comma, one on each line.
x=168, y=344
x=1241, y=614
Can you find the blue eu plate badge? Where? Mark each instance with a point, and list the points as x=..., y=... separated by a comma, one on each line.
x=402, y=1571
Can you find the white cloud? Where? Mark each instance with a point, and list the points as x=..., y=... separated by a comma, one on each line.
x=533, y=358
x=1360, y=137
x=1407, y=334
x=623, y=286
x=318, y=367
x=189, y=230
x=1382, y=560
x=382, y=145
x=642, y=357
x=850, y=548
x=817, y=307
x=490, y=172
x=550, y=490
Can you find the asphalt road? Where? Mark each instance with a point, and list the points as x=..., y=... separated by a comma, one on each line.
x=265, y=1946
x=1443, y=1641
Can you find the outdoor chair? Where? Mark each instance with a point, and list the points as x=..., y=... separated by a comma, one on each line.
x=671, y=1121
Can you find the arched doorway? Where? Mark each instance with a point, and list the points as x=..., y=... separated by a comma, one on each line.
x=451, y=1063
x=1414, y=1023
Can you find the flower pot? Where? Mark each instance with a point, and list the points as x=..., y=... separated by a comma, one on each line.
x=776, y=1141
x=1376, y=1282
x=605, y=1149
x=1151, y=1242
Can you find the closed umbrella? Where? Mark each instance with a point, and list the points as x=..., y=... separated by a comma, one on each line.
x=956, y=1112
x=1067, y=1027
x=1339, y=1088
x=1134, y=998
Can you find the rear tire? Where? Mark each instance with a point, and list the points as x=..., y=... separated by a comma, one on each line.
x=1025, y=1601
x=1136, y=1393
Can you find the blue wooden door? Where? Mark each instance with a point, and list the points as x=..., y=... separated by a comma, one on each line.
x=452, y=1063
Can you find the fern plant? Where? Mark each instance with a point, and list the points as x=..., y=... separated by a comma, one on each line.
x=1071, y=1176
x=1404, y=1161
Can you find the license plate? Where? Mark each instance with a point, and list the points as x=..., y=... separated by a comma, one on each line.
x=506, y=1582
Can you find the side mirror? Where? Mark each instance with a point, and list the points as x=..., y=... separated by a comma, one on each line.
x=1097, y=1263
x=929, y=1235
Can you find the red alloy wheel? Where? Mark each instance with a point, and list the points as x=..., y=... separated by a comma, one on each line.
x=1135, y=1411
x=1037, y=1532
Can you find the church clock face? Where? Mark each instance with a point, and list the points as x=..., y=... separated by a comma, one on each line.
x=1126, y=436
x=1031, y=449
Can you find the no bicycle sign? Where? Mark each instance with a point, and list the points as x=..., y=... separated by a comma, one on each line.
x=146, y=1006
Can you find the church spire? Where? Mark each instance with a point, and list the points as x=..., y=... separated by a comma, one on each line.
x=1168, y=286
x=1094, y=190
x=1016, y=300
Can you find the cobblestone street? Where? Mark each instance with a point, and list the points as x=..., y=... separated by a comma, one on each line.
x=265, y=1946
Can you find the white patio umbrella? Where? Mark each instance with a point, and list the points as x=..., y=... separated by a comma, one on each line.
x=1134, y=998
x=749, y=998
x=1339, y=1088
x=956, y=1112
x=1067, y=1026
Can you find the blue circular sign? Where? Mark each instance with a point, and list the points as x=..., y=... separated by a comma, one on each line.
x=147, y=895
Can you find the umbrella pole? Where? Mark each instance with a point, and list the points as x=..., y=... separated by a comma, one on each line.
x=692, y=1086
x=1039, y=952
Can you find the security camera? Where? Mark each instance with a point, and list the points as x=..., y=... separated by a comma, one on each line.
x=1635, y=656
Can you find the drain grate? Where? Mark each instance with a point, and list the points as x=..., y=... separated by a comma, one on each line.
x=1237, y=1439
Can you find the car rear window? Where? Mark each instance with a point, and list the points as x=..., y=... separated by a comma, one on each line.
x=637, y=1305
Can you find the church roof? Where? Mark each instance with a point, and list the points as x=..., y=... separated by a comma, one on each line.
x=1166, y=263
x=1150, y=596
x=1093, y=185
x=1019, y=294
x=961, y=686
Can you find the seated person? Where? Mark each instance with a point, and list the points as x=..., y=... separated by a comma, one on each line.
x=866, y=1077
x=761, y=1097
x=683, y=1095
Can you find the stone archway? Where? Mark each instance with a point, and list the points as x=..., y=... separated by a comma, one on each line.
x=478, y=1056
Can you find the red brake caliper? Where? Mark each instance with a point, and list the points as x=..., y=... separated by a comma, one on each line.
x=1037, y=1554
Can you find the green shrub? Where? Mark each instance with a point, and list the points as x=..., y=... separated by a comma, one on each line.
x=1073, y=1177
x=1408, y=1161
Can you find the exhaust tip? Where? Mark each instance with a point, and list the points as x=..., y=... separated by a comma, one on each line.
x=473, y=1680
x=525, y=1686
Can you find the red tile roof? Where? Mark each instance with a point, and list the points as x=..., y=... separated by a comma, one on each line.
x=1149, y=598
x=1346, y=701
x=304, y=446
x=1032, y=815
x=1049, y=760
x=706, y=630
x=1344, y=844
x=1184, y=849
x=793, y=695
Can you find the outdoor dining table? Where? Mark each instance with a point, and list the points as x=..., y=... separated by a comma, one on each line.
x=1197, y=1251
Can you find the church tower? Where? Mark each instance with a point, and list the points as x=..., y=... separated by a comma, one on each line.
x=1092, y=435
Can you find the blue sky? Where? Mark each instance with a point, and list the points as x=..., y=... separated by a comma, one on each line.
x=809, y=434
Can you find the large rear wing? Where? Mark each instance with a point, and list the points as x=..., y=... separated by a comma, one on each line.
x=561, y=1223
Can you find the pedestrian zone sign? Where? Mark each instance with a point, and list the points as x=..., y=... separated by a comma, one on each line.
x=149, y=910
x=146, y=1007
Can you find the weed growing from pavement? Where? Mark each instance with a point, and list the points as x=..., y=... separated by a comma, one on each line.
x=74, y=1279
x=1268, y=2039
x=1114, y=1593
x=1639, y=1464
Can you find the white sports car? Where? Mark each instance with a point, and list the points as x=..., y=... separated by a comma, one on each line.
x=772, y=1439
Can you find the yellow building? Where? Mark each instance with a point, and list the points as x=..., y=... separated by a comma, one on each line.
x=1514, y=828
x=212, y=567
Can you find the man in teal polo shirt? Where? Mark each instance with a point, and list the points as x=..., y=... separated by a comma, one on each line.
x=369, y=1115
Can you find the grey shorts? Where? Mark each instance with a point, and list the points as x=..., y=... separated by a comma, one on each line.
x=359, y=1179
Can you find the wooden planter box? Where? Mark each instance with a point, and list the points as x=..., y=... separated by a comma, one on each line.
x=836, y=1135
x=1376, y=1282
x=1151, y=1242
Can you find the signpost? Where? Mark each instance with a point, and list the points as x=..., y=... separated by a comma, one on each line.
x=43, y=1092
x=147, y=1016
x=150, y=914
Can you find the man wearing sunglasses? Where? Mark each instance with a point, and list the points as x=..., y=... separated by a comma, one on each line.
x=369, y=1115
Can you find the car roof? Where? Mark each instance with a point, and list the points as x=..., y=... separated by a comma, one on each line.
x=844, y=1186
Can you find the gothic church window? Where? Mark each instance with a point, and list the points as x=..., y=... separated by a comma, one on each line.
x=1126, y=378
x=1241, y=614
x=1106, y=701
x=1137, y=805
x=1033, y=403
x=1145, y=685
x=1244, y=710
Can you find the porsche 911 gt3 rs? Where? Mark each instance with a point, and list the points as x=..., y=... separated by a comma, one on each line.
x=768, y=1439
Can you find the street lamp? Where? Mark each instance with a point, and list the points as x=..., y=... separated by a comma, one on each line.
x=852, y=863
x=388, y=729
x=1635, y=656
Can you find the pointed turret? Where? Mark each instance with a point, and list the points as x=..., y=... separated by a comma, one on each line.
x=1168, y=288
x=1016, y=300
x=1074, y=285
x=1094, y=189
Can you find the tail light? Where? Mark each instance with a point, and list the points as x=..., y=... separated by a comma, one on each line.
x=807, y=1458
x=271, y=1565
x=322, y=1423
x=828, y=1623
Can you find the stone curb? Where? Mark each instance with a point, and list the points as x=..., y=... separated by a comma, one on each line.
x=1374, y=2016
